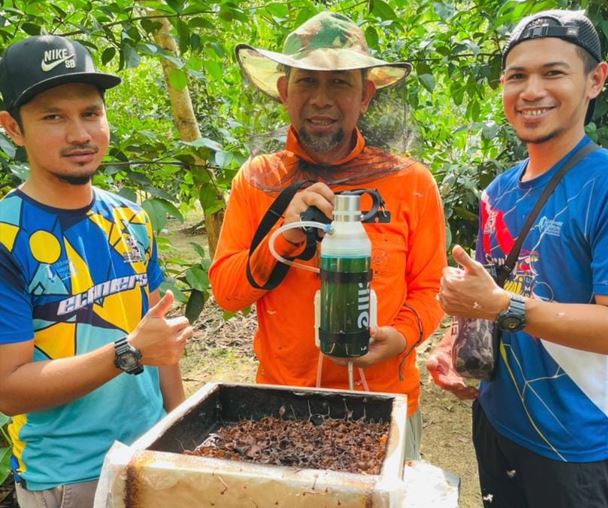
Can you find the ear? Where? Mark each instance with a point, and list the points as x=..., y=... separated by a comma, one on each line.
x=597, y=78
x=282, y=83
x=11, y=127
x=369, y=90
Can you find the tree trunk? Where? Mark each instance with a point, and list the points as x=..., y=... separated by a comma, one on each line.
x=186, y=124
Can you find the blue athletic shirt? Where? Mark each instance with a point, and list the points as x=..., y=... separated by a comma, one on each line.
x=550, y=399
x=75, y=280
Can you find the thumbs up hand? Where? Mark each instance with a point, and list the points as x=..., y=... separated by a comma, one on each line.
x=161, y=340
x=470, y=291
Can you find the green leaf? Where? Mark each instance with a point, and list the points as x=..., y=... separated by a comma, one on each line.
x=150, y=25
x=604, y=26
x=7, y=146
x=157, y=193
x=129, y=194
x=214, y=68
x=201, y=23
x=5, y=463
x=465, y=214
x=383, y=10
x=218, y=49
x=278, y=10
x=371, y=36
x=444, y=11
x=171, y=284
x=157, y=214
x=489, y=130
x=164, y=244
x=107, y=55
x=20, y=170
x=130, y=55
x=228, y=314
x=427, y=81
x=31, y=28
x=175, y=5
x=195, y=305
x=229, y=11
x=222, y=158
x=198, y=249
x=4, y=419
x=197, y=278
x=305, y=14
x=208, y=199
x=171, y=209
x=205, y=143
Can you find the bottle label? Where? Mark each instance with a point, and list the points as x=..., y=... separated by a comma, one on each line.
x=345, y=306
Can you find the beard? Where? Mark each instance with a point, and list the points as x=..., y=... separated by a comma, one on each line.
x=79, y=179
x=323, y=143
x=75, y=180
x=541, y=139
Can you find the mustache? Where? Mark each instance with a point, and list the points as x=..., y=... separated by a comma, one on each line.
x=79, y=148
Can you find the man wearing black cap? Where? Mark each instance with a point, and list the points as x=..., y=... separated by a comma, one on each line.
x=540, y=426
x=86, y=353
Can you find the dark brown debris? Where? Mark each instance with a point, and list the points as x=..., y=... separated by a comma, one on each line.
x=338, y=445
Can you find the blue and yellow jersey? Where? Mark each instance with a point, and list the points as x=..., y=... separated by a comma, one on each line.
x=73, y=281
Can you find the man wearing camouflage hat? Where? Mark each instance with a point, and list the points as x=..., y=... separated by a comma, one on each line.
x=540, y=426
x=325, y=79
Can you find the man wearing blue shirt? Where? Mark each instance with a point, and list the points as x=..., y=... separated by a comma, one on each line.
x=540, y=426
x=87, y=355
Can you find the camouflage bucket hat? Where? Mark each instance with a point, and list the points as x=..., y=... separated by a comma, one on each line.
x=326, y=42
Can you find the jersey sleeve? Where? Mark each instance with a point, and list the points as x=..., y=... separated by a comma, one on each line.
x=598, y=239
x=16, y=323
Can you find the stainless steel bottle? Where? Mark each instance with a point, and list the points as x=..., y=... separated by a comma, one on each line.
x=345, y=296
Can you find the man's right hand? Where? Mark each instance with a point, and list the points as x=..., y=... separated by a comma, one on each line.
x=441, y=368
x=161, y=340
x=318, y=195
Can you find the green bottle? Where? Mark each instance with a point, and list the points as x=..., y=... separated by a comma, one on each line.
x=344, y=305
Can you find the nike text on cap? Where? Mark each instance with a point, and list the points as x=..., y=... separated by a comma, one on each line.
x=38, y=63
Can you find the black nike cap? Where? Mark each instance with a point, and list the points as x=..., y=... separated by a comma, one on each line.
x=38, y=63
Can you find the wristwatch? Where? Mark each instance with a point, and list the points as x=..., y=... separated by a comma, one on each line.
x=514, y=318
x=127, y=357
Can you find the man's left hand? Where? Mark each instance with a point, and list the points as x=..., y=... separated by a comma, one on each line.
x=388, y=342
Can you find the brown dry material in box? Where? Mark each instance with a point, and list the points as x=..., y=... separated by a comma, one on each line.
x=338, y=445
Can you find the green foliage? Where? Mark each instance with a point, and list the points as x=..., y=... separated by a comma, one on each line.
x=449, y=113
x=5, y=449
x=188, y=279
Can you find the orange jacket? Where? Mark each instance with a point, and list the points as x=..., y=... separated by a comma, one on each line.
x=408, y=255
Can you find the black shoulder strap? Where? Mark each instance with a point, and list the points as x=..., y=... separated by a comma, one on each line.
x=272, y=215
x=511, y=260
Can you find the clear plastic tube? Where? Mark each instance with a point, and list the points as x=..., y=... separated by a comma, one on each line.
x=363, y=380
x=295, y=225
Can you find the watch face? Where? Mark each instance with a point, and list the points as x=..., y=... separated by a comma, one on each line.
x=128, y=361
x=510, y=323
